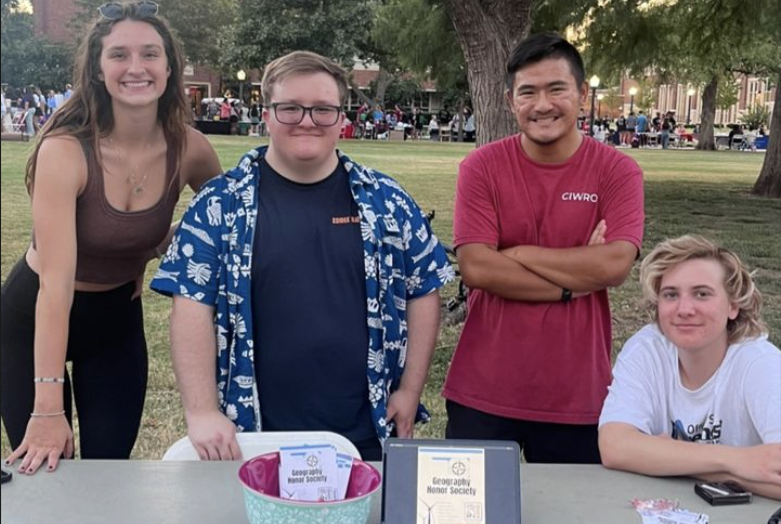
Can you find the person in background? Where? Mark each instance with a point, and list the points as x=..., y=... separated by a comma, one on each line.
x=631, y=128
x=29, y=105
x=401, y=116
x=668, y=125
x=469, y=125
x=40, y=108
x=361, y=116
x=234, y=115
x=750, y=140
x=213, y=110
x=656, y=123
x=642, y=128
x=416, y=122
x=51, y=102
x=104, y=177
x=378, y=118
x=455, y=126
x=621, y=130
x=736, y=131
x=254, y=115
x=444, y=116
x=225, y=109
x=599, y=132
x=305, y=285
x=433, y=129
x=698, y=391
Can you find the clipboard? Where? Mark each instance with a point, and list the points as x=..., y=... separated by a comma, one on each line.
x=502, y=462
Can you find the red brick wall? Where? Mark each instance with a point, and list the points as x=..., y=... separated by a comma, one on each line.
x=52, y=18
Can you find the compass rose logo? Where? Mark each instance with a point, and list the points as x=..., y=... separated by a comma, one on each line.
x=311, y=461
x=458, y=468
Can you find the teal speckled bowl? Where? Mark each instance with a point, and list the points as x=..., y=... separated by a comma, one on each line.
x=260, y=478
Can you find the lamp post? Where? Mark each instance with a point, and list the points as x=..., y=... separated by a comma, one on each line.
x=594, y=84
x=242, y=76
x=632, y=93
x=690, y=92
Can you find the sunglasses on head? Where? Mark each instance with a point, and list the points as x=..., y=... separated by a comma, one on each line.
x=116, y=10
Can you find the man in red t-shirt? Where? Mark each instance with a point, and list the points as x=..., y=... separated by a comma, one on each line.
x=545, y=221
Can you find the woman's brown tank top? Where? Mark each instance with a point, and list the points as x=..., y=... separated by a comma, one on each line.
x=114, y=246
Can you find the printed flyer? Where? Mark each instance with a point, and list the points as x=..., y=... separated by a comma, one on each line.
x=451, y=486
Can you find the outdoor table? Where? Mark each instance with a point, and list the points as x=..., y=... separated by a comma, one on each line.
x=136, y=492
x=213, y=127
x=721, y=139
x=653, y=139
x=682, y=138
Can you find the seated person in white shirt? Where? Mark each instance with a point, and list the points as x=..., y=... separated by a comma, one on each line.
x=698, y=392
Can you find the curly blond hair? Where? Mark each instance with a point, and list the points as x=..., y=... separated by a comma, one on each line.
x=738, y=283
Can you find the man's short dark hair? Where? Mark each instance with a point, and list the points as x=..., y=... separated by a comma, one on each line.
x=540, y=47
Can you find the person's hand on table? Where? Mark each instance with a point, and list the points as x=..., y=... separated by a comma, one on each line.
x=402, y=409
x=46, y=440
x=213, y=436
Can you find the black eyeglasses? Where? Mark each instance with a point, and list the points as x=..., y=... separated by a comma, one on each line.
x=116, y=10
x=293, y=114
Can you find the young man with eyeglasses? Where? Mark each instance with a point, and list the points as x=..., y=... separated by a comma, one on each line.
x=312, y=279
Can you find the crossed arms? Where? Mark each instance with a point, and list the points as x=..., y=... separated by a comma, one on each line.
x=538, y=274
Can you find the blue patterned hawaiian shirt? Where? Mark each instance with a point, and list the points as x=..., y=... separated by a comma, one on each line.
x=210, y=259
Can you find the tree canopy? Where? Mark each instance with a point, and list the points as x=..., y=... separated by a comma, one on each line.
x=267, y=29
x=200, y=24
x=420, y=36
x=704, y=43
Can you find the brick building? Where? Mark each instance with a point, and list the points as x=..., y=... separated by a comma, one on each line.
x=752, y=90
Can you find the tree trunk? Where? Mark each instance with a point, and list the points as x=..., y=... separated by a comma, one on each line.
x=488, y=31
x=384, y=79
x=769, y=182
x=362, y=96
x=707, y=142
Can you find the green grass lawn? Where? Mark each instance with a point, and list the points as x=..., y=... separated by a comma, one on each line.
x=686, y=191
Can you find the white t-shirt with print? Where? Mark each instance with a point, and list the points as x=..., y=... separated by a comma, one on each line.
x=740, y=405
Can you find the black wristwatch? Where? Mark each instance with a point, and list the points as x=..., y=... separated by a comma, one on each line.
x=566, y=294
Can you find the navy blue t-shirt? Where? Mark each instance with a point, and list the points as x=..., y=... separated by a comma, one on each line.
x=309, y=307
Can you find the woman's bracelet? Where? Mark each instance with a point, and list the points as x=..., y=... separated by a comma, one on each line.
x=35, y=414
x=49, y=380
